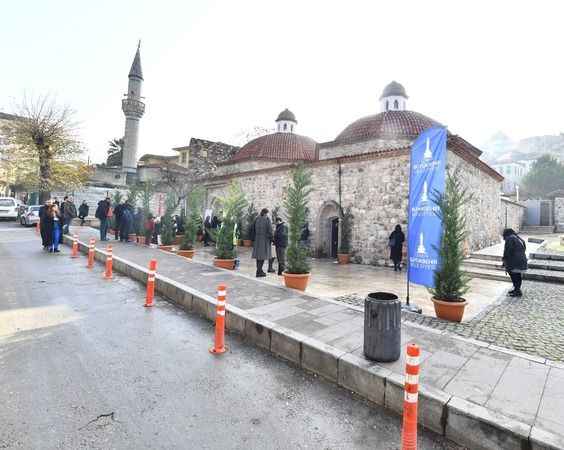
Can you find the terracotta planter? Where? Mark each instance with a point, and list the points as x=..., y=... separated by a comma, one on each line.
x=224, y=263
x=178, y=239
x=241, y=243
x=247, y=243
x=186, y=253
x=167, y=248
x=452, y=311
x=344, y=258
x=132, y=237
x=296, y=280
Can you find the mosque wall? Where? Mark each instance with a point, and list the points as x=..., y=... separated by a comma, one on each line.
x=329, y=150
x=377, y=191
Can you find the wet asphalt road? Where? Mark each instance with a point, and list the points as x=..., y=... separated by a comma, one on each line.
x=84, y=365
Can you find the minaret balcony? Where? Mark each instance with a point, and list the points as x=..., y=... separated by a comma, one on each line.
x=133, y=107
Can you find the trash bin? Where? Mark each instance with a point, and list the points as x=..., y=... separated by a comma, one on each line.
x=382, y=326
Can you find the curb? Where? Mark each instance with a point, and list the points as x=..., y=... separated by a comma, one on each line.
x=461, y=421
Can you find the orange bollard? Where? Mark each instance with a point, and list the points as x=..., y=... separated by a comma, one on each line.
x=37, y=228
x=219, y=345
x=109, y=262
x=90, y=264
x=74, y=251
x=409, y=429
x=151, y=283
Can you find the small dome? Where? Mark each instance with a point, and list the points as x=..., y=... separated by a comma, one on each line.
x=389, y=124
x=287, y=115
x=394, y=88
x=281, y=146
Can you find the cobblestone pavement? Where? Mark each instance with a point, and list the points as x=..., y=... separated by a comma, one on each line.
x=533, y=324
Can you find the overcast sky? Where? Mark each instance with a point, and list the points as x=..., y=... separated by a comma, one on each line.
x=215, y=68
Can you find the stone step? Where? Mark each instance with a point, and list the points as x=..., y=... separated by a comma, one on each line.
x=549, y=256
x=533, y=264
x=485, y=256
x=547, y=276
x=538, y=229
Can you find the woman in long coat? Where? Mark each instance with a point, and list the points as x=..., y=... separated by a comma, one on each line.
x=514, y=260
x=395, y=242
x=262, y=245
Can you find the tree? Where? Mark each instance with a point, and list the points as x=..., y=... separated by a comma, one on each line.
x=346, y=231
x=451, y=283
x=546, y=175
x=177, y=181
x=295, y=205
x=194, y=222
x=43, y=145
x=232, y=203
x=167, y=226
x=115, y=152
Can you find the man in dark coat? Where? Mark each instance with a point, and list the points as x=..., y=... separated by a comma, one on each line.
x=102, y=215
x=125, y=222
x=68, y=213
x=514, y=260
x=395, y=242
x=280, y=243
x=263, y=241
x=43, y=224
x=83, y=212
x=118, y=211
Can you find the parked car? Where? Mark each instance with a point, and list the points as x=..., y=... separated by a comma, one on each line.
x=30, y=216
x=8, y=208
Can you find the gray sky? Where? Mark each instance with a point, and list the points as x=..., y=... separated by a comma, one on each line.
x=215, y=68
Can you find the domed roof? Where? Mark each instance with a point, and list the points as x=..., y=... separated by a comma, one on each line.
x=394, y=88
x=389, y=124
x=287, y=115
x=282, y=146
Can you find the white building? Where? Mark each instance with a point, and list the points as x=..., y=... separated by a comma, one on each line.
x=514, y=172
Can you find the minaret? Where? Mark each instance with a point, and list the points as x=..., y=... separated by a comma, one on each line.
x=133, y=108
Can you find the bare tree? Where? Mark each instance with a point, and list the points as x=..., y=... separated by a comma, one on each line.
x=44, y=135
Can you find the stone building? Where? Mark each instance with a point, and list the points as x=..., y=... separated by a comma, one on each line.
x=365, y=167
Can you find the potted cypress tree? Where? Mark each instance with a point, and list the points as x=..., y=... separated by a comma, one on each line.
x=297, y=272
x=167, y=226
x=231, y=204
x=344, y=253
x=451, y=283
x=250, y=218
x=192, y=223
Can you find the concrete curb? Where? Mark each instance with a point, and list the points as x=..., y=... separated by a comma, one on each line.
x=461, y=421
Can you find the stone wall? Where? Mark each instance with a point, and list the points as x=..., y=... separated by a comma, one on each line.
x=512, y=214
x=559, y=214
x=244, y=166
x=377, y=191
x=205, y=155
x=336, y=150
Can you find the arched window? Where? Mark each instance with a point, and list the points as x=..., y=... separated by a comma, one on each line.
x=285, y=126
x=396, y=104
x=387, y=105
x=291, y=127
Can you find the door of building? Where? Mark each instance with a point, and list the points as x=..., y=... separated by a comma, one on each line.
x=334, y=236
x=545, y=213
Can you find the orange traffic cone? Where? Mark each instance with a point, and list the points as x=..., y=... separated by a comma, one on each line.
x=409, y=429
x=74, y=251
x=109, y=262
x=151, y=283
x=91, y=244
x=219, y=345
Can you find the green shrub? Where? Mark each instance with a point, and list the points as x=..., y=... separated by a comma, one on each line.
x=346, y=231
x=232, y=205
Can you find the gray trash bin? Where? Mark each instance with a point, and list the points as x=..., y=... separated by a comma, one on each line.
x=382, y=326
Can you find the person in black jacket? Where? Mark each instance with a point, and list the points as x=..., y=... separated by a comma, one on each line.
x=43, y=224
x=83, y=212
x=118, y=212
x=514, y=260
x=102, y=214
x=280, y=244
x=395, y=242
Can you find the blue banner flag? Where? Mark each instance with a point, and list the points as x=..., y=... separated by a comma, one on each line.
x=426, y=177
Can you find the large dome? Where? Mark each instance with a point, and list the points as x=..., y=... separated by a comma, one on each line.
x=281, y=146
x=389, y=124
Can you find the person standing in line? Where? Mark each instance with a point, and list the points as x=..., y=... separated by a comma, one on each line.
x=53, y=228
x=126, y=221
x=280, y=244
x=207, y=228
x=42, y=224
x=262, y=245
x=395, y=242
x=68, y=213
x=118, y=211
x=103, y=214
x=149, y=227
x=83, y=212
x=514, y=260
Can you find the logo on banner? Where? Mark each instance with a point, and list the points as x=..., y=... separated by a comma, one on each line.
x=428, y=154
x=421, y=247
x=424, y=195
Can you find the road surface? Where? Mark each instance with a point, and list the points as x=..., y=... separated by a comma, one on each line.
x=84, y=365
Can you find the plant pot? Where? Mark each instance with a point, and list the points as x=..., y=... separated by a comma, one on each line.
x=131, y=237
x=186, y=253
x=167, y=248
x=241, y=243
x=141, y=240
x=296, y=280
x=344, y=258
x=224, y=263
x=200, y=237
x=178, y=239
x=452, y=311
x=247, y=243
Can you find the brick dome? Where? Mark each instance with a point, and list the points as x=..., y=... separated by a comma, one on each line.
x=389, y=124
x=282, y=146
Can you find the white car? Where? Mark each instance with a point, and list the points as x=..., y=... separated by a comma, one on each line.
x=8, y=208
x=30, y=216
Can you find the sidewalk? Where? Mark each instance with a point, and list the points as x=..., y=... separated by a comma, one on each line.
x=476, y=394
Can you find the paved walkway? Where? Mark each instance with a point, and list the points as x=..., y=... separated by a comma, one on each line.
x=528, y=389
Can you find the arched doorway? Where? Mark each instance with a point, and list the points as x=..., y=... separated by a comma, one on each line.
x=328, y=230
